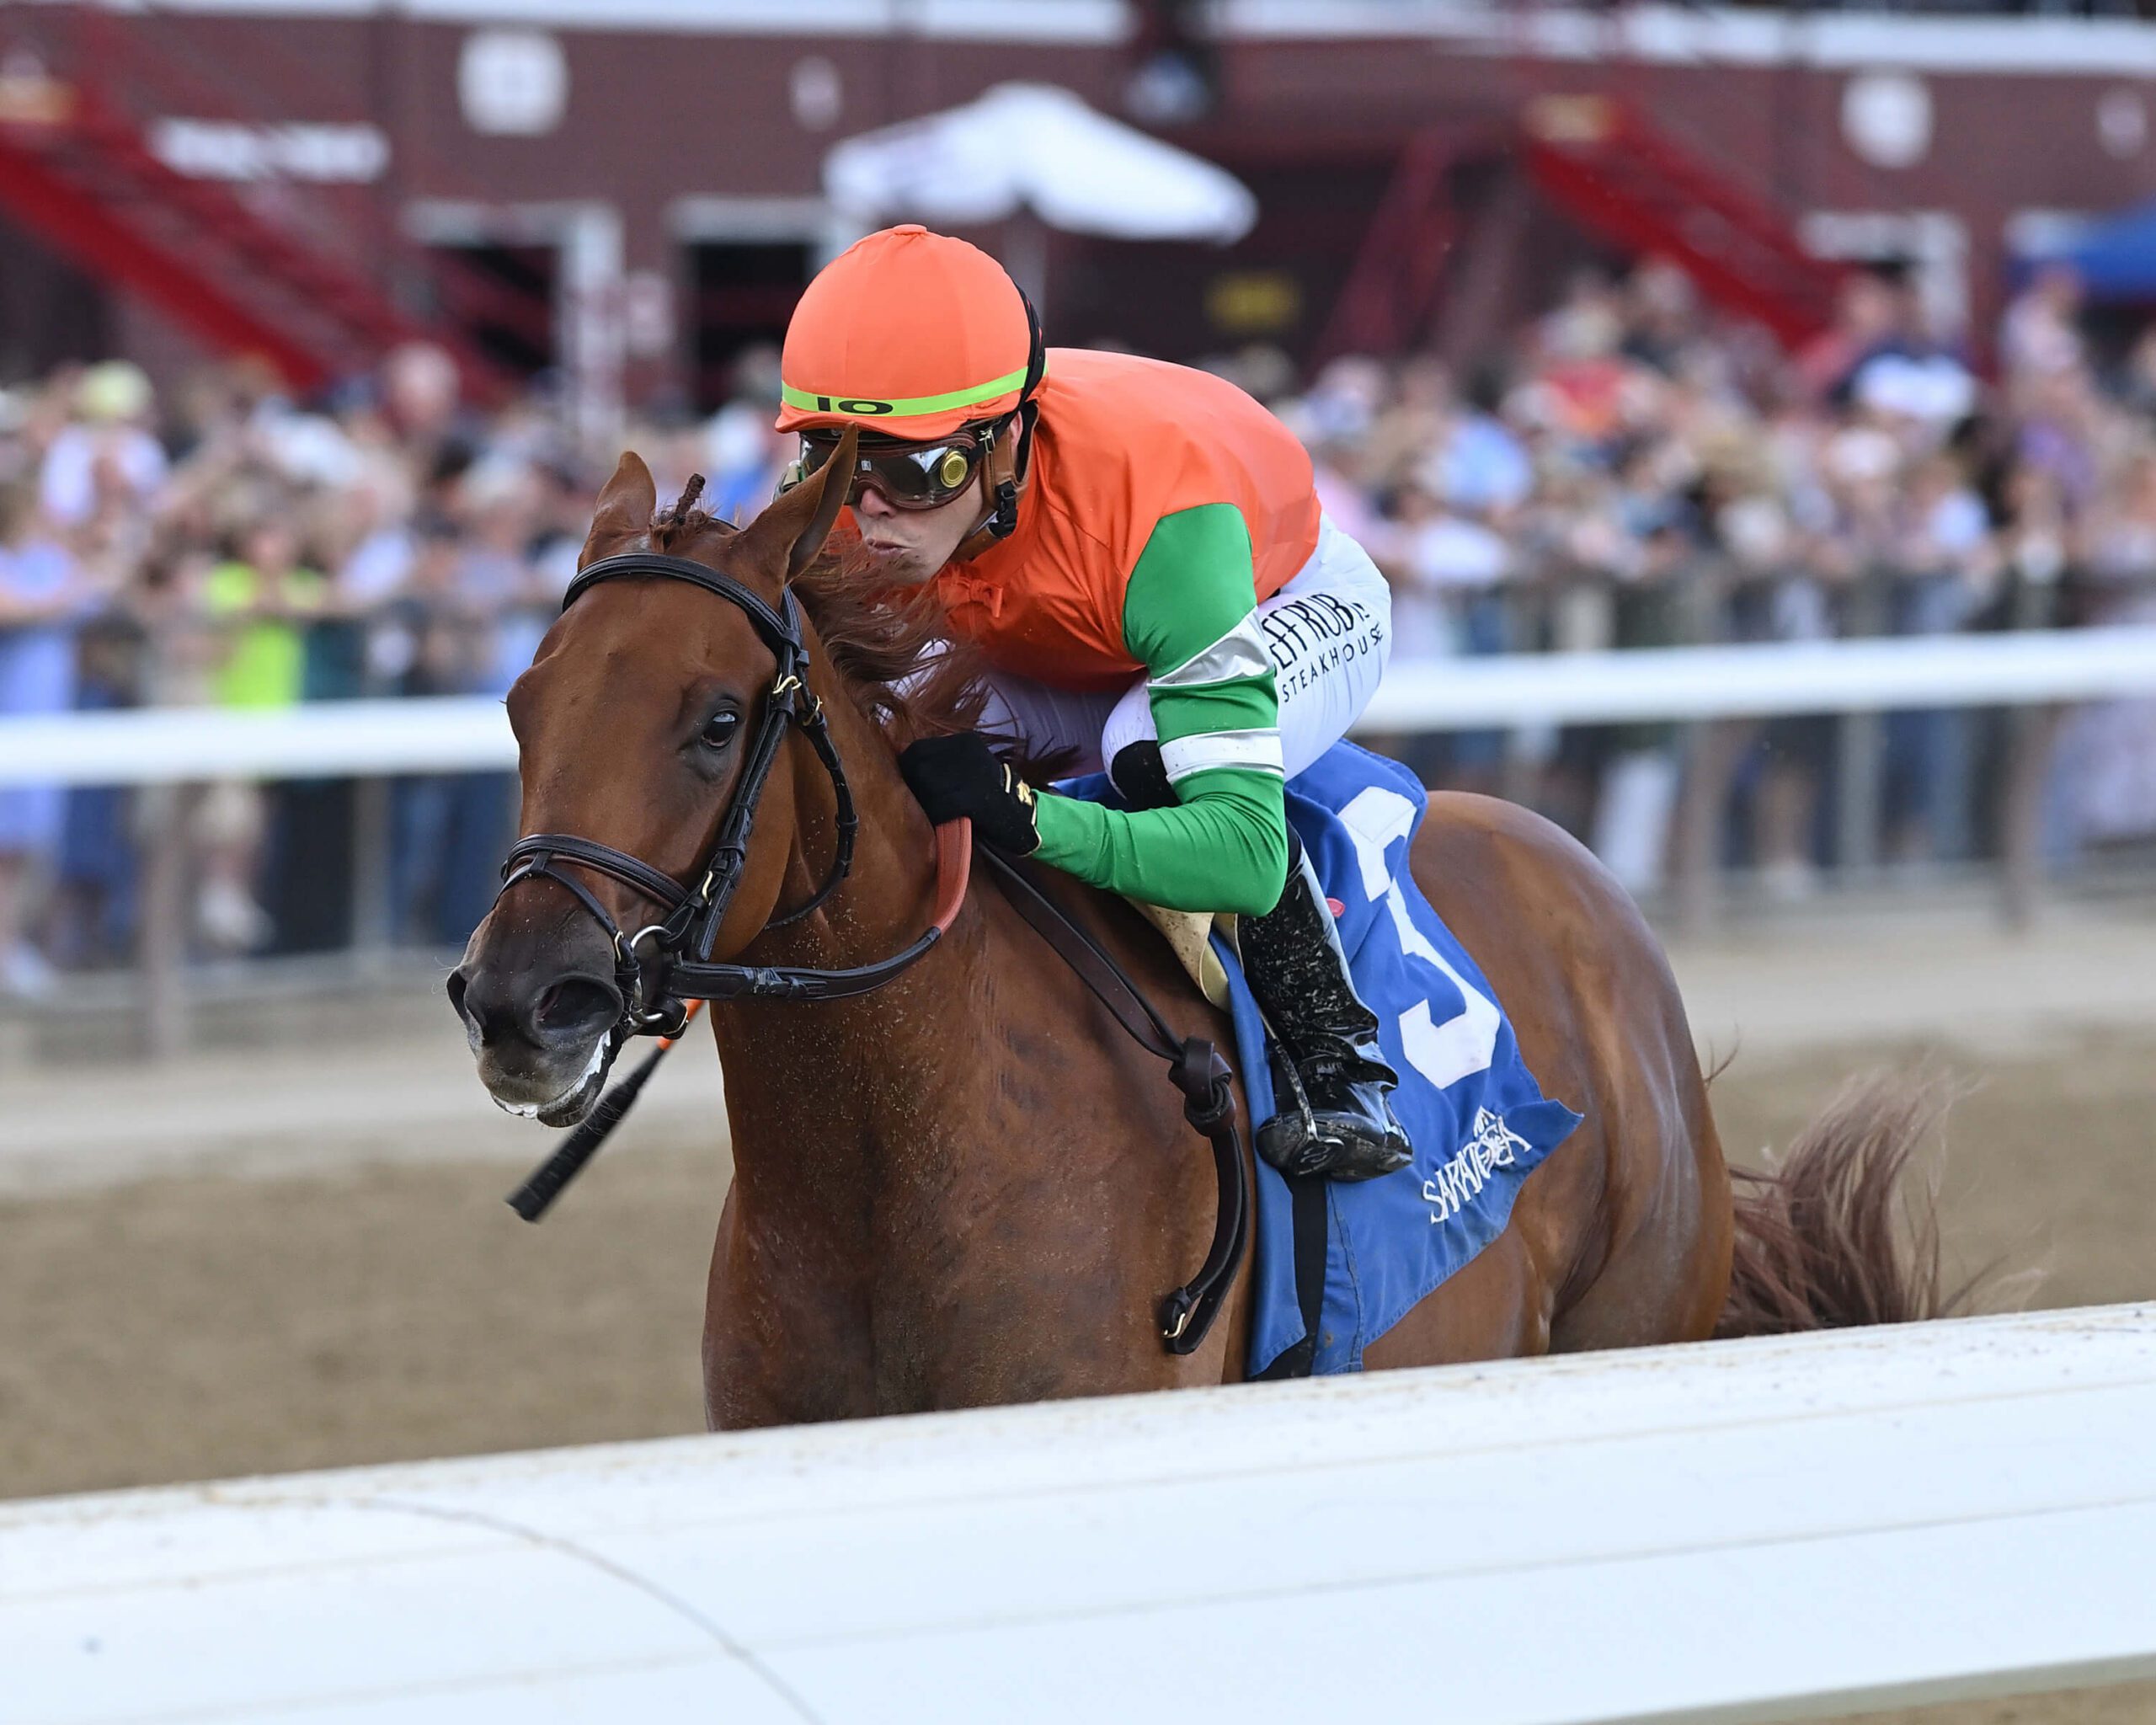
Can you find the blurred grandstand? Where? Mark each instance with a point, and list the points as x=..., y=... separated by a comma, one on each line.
x=1607, y=326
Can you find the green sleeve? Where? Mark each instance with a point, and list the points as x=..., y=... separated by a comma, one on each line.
x=1190, y=617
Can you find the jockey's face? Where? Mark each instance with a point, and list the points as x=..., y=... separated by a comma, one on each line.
x=911, y=545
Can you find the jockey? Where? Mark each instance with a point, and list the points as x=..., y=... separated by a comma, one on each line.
x=1137, y=551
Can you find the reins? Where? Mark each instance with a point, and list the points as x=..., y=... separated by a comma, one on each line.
x=1195, y=1067
x=664, y=971
x=953, y=853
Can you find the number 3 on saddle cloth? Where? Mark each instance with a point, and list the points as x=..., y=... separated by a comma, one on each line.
x=1479, y=1122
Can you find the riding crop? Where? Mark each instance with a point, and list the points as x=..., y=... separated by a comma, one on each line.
x=532, y=1200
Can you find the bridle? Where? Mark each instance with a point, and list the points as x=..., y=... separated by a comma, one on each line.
x=665, y=964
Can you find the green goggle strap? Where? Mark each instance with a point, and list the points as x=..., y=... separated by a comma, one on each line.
x=907, y=408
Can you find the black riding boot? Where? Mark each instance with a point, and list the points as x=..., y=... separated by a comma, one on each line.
x=1329, y=1078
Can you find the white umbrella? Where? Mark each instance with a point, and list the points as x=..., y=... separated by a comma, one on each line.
x=1034, y=148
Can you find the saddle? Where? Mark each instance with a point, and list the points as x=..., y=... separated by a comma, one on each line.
x=1188, y=934
x=1336, y=1265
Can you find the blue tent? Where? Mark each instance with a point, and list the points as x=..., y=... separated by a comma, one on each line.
x=2117, y=259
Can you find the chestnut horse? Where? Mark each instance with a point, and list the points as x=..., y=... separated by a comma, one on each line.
x=971, y=1186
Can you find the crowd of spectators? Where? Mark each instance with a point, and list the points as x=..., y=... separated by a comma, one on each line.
x=228, y=547
x=1635, y=472
x=1630, y=472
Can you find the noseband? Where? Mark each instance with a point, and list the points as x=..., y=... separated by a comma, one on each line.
x=667, y=963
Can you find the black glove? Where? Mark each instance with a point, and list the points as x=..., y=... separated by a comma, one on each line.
x=961, y=775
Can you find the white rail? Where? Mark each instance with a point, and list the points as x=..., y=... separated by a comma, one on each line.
x=1742, y=1531
x=324, y=740
x=440, y=735
x=2036, y=667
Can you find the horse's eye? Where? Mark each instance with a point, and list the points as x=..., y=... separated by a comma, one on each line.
x=719, y=729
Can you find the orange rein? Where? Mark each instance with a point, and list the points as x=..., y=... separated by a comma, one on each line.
x=954, y=862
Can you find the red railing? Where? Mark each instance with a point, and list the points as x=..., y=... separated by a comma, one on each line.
x=1621, y=176
x=1391, y=291
x=300, y=276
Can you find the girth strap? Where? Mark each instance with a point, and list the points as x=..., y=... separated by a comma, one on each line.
x=1196, y=1068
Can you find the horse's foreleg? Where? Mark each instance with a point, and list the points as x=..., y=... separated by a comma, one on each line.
x=781, y=1345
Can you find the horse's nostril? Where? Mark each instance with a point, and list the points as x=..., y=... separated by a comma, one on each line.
x=575, y=1003
x=456, y=986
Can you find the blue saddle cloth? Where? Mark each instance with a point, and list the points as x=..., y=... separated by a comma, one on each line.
x=1479, y=1122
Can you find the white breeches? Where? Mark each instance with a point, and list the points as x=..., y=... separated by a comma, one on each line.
x=1330, y=631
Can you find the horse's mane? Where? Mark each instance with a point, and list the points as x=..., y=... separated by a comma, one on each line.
x=891, y=647
x=894, y=649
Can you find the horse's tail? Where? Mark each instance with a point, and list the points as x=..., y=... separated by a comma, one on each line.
x=1830, y=1238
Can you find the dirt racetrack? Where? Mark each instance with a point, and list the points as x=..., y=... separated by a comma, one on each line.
x=282, y=1258
x=188, y=1326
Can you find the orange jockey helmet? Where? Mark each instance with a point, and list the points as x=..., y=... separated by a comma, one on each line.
x=913, y=337
x=909, y=335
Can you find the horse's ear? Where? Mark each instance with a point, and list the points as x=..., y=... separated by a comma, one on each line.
x=786, y=537
x=623, y=515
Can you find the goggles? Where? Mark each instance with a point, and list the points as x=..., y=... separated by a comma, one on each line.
x=905, y=475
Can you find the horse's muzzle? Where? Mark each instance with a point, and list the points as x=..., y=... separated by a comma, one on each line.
x=544, y=1039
